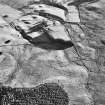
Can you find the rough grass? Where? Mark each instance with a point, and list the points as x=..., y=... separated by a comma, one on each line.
x=94, y=17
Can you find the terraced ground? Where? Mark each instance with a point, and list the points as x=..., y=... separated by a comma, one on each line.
x=84, y=74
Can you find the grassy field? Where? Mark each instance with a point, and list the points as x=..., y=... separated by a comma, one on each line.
x=94, y=15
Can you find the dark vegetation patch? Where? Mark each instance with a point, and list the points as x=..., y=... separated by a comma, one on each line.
x=43, y=94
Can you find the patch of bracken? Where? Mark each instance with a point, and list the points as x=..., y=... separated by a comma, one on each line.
x=44, y=94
